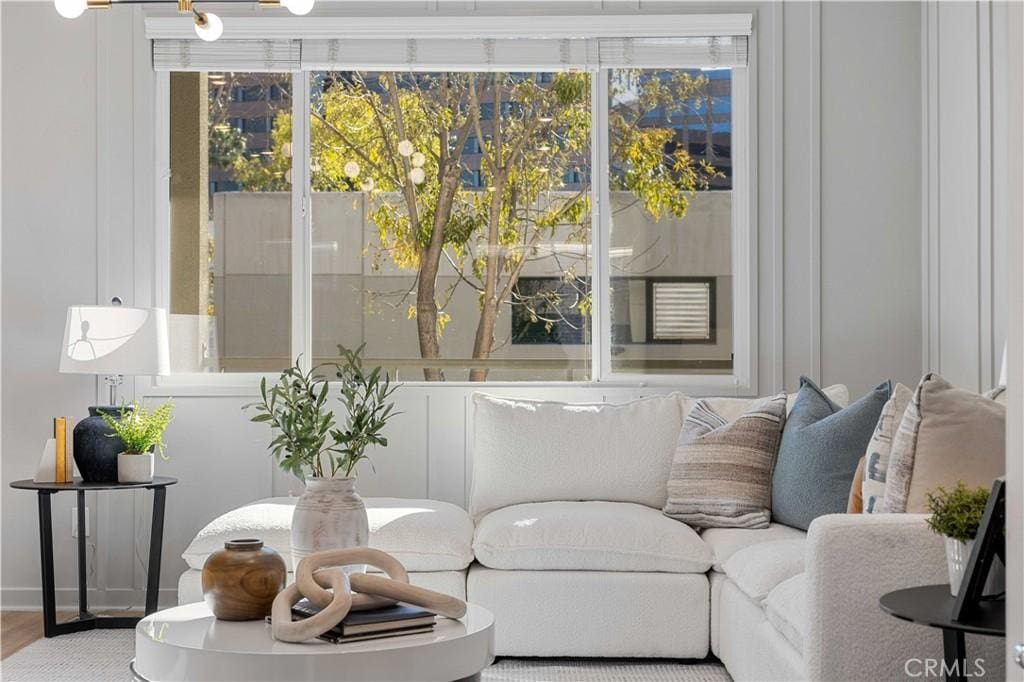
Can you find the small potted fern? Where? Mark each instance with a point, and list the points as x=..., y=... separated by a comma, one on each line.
x=141, y=431
x=955, y=515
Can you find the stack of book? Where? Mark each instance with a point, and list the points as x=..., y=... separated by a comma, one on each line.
x=390, y=621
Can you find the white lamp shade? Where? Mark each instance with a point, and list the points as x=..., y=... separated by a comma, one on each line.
x=115, y=340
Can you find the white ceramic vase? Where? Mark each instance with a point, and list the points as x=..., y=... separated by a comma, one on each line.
x=135, y=468
x=329, y=515
x=957, y=555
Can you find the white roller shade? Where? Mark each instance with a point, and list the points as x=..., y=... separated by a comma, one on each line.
x=226, y=55
x=445, y=55
x=680, y=53
x=433, y=43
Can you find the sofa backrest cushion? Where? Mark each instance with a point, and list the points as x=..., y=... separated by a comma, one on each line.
x=541, y=451
x=821, y=446
x=731, y=409
x=947, y=435
x=721, y=476
x=876, y=462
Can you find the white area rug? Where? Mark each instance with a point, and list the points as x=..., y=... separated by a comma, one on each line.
x=103, y=656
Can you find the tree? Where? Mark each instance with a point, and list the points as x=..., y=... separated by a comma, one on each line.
x=401, y=139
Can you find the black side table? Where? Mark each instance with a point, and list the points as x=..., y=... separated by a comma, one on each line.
x=932, y=605
x=87, y=620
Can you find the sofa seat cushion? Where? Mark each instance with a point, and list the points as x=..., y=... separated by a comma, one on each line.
x=784, y=608
x=588, y=536
x=757, y=569
x=724, y=542
x=543, y=451
x=424, y=535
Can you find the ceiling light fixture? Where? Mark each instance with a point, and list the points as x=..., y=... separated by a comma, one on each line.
x=208, y=26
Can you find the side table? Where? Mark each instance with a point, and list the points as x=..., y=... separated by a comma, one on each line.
x=932, y=605
x=87, y=620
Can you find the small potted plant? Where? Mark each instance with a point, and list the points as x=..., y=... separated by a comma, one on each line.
x=142, y=432
x=309, y=443
x=956, y=515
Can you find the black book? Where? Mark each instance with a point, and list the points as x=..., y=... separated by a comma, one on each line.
x=387, y=619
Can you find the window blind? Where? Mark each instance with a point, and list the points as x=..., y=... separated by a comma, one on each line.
x=695, y=42
x=444, y=55
x=682, y=311
x=680, y=53
x=226, y=55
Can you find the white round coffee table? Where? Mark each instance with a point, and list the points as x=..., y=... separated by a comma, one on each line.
x=186, y=643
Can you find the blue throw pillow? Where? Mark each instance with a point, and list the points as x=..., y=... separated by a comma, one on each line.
x=821, y=445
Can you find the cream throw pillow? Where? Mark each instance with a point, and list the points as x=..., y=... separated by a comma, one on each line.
x=721, y=475
x=947, y=435
x=876, y=459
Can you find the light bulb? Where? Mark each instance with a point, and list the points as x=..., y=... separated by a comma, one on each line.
x=418, y=159
x=405, y=148
x=417, y=176
x=70, y=9
x=299, y=7
x=352, y=169
x=208, y=26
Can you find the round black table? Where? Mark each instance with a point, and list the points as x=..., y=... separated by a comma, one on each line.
x=932, y=605
x=87, y=620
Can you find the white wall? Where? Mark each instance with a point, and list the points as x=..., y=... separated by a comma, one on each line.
x=839, y=278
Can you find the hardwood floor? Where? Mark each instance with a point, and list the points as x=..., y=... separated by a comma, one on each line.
x=18, y=629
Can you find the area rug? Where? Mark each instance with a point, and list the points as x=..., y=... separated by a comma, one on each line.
x=103, y=656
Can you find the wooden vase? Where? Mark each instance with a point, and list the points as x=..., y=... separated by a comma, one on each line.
x=241, y=580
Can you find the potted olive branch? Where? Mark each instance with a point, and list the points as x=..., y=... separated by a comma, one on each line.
x=141, y=431
x=309, y=442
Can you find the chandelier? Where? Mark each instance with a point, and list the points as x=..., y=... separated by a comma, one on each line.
x=208, y=26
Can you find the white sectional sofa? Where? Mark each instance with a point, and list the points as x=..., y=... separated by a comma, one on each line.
x=565, y=542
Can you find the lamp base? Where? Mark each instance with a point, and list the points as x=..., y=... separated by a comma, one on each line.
x=96, y=447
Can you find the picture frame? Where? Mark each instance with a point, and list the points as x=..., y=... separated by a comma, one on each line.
x=989, y=544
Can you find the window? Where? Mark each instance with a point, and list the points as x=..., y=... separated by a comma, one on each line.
x=427, y=273
x=581, y=221
x=230, y=226
x=670, y=221
x=681, y=311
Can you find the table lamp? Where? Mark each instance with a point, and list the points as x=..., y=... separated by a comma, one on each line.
x=114, y=341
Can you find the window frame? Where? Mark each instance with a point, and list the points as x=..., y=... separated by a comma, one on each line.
x=742, y=380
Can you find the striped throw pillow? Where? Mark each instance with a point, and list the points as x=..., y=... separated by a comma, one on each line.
x=721, y=475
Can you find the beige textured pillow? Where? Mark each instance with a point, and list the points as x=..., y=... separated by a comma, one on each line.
x=876, y=462
x=722, y=472
x=947, y=435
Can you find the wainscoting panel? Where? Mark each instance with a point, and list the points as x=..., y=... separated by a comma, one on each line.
x=965, y=269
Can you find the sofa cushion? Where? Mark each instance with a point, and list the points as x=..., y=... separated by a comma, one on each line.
x=784, y=608
x=731, y=408
x=757, y=569
x=424, y=535
x=947, y=435
x=721, y=475
x=538, y=451
x=876, y=462
x=724, y=542
x=588, y=536
x=820, y=448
